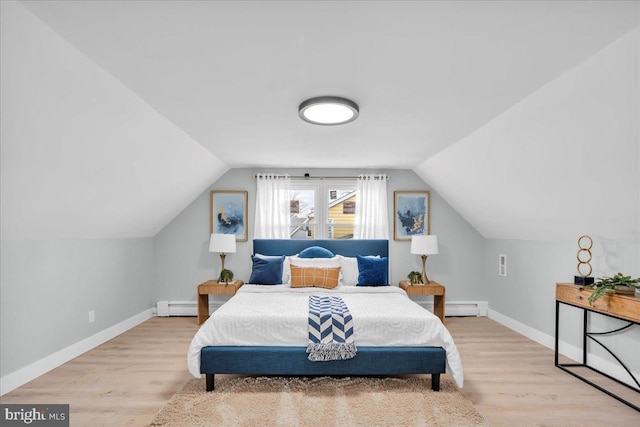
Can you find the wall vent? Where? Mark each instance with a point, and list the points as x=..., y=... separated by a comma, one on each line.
x=502, y=265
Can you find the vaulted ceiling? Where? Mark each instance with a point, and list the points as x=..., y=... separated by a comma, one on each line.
x=144, y=103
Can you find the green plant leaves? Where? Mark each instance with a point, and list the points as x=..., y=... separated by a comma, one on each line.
x=606, y=285
x=225, y=276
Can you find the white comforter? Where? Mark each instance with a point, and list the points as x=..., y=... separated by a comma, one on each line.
x=278, y=316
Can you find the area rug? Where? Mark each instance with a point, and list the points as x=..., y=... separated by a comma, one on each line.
x=319, y=401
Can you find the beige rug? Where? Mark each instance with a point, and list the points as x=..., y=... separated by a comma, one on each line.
x=319, y=401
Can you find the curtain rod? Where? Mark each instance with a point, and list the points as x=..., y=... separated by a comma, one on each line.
x=307, y=176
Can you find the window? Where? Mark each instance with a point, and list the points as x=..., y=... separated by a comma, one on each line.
x=323, y=209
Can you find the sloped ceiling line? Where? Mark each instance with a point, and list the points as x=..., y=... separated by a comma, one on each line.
x=82, y=155
x=558, y=164
x=174, y=76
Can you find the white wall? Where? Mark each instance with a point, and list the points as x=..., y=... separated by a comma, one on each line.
x=48, y=287
x=82, y=155
x=525, y=298
x=561, y=163
x=527, y=293
x=182, y=260
x=85, y=163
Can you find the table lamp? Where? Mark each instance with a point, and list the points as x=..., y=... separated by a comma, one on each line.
x=423, y=246
x=223, y=244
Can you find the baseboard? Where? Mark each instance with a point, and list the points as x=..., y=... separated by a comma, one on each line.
x=564, y=348
x=452, y=308
x=529, y=332
x=30, y=372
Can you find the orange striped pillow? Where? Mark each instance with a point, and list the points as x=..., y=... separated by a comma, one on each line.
x=305, y=277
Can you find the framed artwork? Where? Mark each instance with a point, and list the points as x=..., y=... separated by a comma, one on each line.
x=411, y=214
x=228, y=213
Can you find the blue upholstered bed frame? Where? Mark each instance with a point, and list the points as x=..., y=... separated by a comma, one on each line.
x=293, y=360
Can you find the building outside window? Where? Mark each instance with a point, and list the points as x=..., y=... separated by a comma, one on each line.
x=323, y=209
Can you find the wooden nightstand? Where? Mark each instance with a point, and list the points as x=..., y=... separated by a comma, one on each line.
x=433, y=288
x=213, y=287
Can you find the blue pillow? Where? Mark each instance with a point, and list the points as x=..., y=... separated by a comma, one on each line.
x=372, y=271
x=266, y=270
x=315, y=252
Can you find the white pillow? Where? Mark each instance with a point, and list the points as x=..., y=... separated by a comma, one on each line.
x=349, y=272
x=307, y=262
x=286, y=270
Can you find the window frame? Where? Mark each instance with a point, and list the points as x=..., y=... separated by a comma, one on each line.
x=321, y=190
x=295, y=185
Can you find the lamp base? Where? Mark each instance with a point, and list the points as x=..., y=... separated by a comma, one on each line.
x=425, y=279
x=583, y=280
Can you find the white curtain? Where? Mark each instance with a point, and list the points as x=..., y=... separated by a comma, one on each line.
x=272, y=207
x=372, y=218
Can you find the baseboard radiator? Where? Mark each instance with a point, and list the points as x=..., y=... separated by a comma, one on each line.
x=452, y=308
x=459, y=308
x=182, y=308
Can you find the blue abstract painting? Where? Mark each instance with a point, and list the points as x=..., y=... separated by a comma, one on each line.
x=411, y=214
x=228, y=213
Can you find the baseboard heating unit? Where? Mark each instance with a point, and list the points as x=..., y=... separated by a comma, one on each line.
x=452, y=308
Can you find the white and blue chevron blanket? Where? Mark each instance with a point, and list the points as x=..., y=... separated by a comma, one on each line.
x=330, y=329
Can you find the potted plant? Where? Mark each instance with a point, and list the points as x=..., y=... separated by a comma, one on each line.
x=415, y=277
x=619, y=283
x=225, y=276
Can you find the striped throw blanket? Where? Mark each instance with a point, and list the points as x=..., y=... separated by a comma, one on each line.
x=330, y=329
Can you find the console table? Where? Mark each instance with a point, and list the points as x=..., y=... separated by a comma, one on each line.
x=617, y=306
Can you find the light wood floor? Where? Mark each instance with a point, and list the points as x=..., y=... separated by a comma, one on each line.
x=511, y=380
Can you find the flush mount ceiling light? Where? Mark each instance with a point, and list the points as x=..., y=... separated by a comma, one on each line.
x=328, y=110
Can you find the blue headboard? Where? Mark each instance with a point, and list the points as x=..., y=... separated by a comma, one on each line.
x=345, y=247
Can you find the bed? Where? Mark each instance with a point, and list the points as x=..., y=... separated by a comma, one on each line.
x=261, y=330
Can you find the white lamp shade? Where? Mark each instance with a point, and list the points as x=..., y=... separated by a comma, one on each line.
x=222, y=243
x=424, y=245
